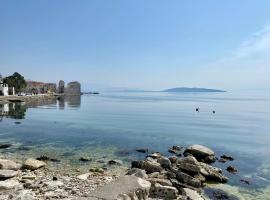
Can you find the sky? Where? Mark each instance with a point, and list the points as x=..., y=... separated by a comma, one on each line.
x=142, y=44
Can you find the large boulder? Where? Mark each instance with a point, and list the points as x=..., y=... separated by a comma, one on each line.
x=126, y=187
x=33, y=164
x=8, y=164
x=201, y=153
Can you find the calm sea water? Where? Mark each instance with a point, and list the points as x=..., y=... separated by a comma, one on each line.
x=112, y=125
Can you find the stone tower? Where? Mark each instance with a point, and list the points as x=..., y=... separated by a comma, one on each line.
x=61, y=87
x=73, y=88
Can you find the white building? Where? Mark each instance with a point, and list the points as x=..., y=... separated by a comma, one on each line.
x=5, y=90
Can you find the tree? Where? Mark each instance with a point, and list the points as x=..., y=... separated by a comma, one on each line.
x=16, y=80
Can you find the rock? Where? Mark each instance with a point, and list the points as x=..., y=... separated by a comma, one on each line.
x=188, y=159
x=231, y=169
x=189, y=168
x=173, y=159
x=137, y=172
x=220, y=195
x=8, y=164
x=83, y=159
x=33, y=164
x=43, y=158
x=142, y=150
x=150, y=165
x=153, y=175
x=210, y=159
x=84, y=176
x=155, y=155
x=5, y=146
x=191, y=194
x=115, y=162
x=97, y=170
x=187, y=179
x=46, y=158
x=7, y=173
x=165, y=162
x=200, y=152
x=180, y=185
x=245, y=181
x=226, y=157
x=175, y=150
x=212, y=173
x=163, y=192
x=164, y=182
x=222, y=160
x=8, y=184
x=124, y=188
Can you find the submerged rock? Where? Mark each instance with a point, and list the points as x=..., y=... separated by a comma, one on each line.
x=226, y=157
x=245, y=181
x=84, y=159
x=5, y=146
x=33, y=164
x=115, y=162
x=231, y=169
x=142, y=150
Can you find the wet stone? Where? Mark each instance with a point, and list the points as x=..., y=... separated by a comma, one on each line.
x=5, y=146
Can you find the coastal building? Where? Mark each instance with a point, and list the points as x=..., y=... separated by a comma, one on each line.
x=73, y=88
x=5, y=90
x=34, y=87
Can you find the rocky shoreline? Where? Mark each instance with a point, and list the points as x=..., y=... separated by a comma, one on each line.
x=155, y=177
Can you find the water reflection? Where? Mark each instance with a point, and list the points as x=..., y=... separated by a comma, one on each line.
x=71, y=101
x=13, y=110
x=17, y=110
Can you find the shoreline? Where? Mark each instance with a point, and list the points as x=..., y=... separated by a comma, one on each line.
x=156, y=176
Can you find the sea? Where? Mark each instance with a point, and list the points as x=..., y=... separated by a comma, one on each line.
x=112, y=125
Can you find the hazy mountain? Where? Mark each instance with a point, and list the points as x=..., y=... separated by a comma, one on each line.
x=186, y=89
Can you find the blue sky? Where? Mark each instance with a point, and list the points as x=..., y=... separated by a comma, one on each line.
x=143, y=44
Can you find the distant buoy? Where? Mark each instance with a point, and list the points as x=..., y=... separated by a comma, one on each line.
x=197, y=109
x=214, y=112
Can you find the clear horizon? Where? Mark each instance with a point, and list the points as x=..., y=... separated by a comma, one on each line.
x=149, y=45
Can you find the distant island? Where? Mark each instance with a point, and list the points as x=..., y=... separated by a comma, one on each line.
x=186, y=89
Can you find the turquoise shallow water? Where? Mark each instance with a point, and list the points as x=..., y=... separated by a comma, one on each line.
x=112, y=125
